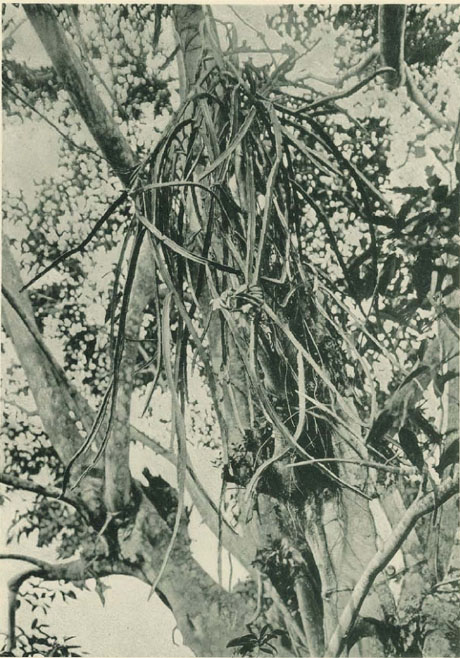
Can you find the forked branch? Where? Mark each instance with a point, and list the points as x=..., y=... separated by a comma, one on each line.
x=420, y=507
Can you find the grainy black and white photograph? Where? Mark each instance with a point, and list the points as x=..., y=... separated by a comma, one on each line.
x=230, y=331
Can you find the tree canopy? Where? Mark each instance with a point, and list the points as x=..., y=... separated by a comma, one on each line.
x=232, y=295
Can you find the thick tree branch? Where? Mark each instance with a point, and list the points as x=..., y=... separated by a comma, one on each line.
x=392, y=24
x=205, y=613
x=310, y=616
x=83, y=93
x=119, y=155
x=59, y=404
x=419, y=508
x=53, y=396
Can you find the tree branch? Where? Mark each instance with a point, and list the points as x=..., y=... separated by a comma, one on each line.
x=41, y=565
x=310, y=616
x=349, y=73
x=83, y=93
x=59, y=404
x=118, y=153
x=419, y=508
x=242, y=548
x=13, y=588
x=40, y=490
x=72, y=570
x=424, y=106
x=391, y=27
x=49, y=386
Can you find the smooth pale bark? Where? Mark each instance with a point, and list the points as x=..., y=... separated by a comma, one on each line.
x=419, y=508
x=439, y=608
x=120, y=157
x=83, y=93
x=43, y=373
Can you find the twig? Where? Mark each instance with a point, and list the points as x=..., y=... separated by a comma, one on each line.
x=350, y=73
x=347, y=92
x=359, y=462
x=80, y=247
x=13, y=588
x=40, y=490
x=40, y=564
x=26, y=412
x=424, y=106
x=84, y=149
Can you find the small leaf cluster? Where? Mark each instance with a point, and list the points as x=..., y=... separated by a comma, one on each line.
x=26, y=449
x=256, y=641
x=38, y=640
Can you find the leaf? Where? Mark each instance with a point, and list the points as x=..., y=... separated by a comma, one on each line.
x=279, y=632
x=423, y=424
x=382, y=424
x=242, y=639
x=449, y=457
x=421, y=273
x=387, y=273
x=415, y=373
x=264, y=630
x=100, y=590
x=409, y=443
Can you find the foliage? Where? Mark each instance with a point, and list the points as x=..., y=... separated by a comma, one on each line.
x=37, y=640
x=256, y=641
x=293, y=259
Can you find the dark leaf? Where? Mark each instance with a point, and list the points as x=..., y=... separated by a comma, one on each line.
x=409, y=443
x=243, y=639
x=278, y=632
x=421, y=273
x=381, y=426
x=264, y=630
x=449, y=457
x=387, y=274
x=415, y=373
x=423, y=424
